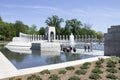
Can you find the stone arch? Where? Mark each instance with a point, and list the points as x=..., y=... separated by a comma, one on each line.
x=51, y=36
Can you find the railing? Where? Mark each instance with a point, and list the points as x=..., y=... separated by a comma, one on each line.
x=79, y=38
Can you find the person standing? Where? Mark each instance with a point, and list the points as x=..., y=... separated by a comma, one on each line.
x=91, y=44
x=85, y=47
x=88, y=47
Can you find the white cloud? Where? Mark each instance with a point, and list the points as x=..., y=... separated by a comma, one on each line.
x=28, y=6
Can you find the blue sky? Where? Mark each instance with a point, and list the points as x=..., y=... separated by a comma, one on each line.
x=101, y=14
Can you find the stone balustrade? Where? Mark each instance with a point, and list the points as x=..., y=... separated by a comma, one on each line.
x=83, y=38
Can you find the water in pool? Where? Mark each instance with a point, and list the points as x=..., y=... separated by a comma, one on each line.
x=34, y=59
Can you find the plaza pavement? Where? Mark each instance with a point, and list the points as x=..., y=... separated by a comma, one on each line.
x=8, y=70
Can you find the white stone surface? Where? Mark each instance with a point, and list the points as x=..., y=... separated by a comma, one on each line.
x=50, y=47
x=5, y=65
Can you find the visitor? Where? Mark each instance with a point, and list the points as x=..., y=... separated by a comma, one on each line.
x=85, y=47
x=74, y=49
x=70, y=48
x=91, y=46
x=88, y=47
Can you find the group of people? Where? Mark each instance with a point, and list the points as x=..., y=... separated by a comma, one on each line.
x=65, y=48
x=88, y=47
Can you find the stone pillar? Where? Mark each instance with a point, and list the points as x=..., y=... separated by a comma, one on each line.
x=63, y=37
x=112, y=41
x=56, y=37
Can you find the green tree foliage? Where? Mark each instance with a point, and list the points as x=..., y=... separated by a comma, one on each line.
x=41, y=31
x=33, y=29
x=73, y=26
x=1, y=20
x=9, y=30
x=56, y=22
x=6, y=30
x=87, y=26
x=100, y=35
x=20, y=27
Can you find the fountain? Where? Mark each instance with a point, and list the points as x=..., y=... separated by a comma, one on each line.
x=69, y=47
x=72, y=42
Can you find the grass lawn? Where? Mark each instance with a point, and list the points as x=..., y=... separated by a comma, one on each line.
x=103, y=69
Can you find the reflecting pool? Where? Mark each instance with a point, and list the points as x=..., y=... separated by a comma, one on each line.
x=35, y=58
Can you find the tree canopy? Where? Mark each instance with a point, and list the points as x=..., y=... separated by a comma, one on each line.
x=56, y=22
x=9, y=30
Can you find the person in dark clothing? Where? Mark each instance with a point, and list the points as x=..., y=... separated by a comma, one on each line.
x=88, y=48
x=85, y=47
x=74, y=49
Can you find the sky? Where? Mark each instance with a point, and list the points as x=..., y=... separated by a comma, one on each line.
x=100, y=14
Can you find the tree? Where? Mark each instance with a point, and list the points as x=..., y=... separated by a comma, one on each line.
x=67, y=29
x=82, y=31
x=74, y=25
x=100, y=35
x=1, y=20
x=56, y=22
x=20, y=27
x=92, y=32
x=62, y=31
x=87, y=26
x=41, y=31
x=7, y=30
x=33, y=29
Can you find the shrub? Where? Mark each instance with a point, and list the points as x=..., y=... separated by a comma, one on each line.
x=110, y=64
x=114, y=59
x=45, y=72
x=54, y=77
x=12, y=78
x=34, y=77
x=111, y=76
x=74, y=78
x=78, y=72
x=18, y=79
x=87, y=63
x=101, y=59
x=95, y=76
x=111, y=70
x=70, y=68
x=98, y=62
x=97, y=70
x=62, y=72
x=99, y=66
x=84, y=67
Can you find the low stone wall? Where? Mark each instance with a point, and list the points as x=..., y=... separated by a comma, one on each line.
x=46, y=46
x=112, y=41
